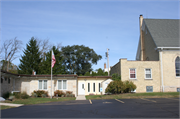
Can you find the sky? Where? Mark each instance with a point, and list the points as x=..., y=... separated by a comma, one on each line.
x=97, y=24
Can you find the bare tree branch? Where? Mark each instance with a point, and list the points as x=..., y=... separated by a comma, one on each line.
x=10, y=48
x=44, y=46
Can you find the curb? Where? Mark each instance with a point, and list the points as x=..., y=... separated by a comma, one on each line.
x=10, y=104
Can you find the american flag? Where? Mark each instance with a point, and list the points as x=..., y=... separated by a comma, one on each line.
x=53, y=59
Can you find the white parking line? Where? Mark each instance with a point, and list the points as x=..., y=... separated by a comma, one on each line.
x=90, y=101
x=148, y=100
x=119, y=100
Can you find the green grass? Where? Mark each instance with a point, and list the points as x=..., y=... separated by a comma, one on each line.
x=5, y=107
x=135, y=95
x=31, y=101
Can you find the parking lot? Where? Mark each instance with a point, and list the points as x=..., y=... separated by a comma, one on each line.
x=110, y=108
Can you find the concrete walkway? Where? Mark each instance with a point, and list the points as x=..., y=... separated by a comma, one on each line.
x=10, y=104
x=81, y=97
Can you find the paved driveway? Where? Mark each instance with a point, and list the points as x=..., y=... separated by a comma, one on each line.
x=119, y=108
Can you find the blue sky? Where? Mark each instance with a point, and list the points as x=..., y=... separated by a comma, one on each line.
x=98, y=24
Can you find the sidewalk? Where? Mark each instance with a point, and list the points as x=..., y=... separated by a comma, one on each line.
x=10, y=104
x=81, y=97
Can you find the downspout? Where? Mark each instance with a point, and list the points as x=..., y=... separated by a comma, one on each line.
x=76, y=87
x=162, y=86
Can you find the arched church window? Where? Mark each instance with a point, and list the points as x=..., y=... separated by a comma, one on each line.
x=177, y=65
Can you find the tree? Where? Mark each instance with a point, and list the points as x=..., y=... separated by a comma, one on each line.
x=12, y=68
x=31, y=59
x=46, y=63
x=100, y=72
x=79, y=59
x=116, y=76
x=10, y=49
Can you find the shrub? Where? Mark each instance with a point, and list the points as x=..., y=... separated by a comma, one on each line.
x=17, y=95
x=68, y=92
x=67, y=95
x=130, y=86
x=40, y=92
x=44, y=95
x=117, y=86
x=33, y=94
x=11, y=97
x=24, y=95
x=6, y=95
x=59, y=93
x=116, y=77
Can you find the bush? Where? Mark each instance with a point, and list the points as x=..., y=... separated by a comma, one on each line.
x=40, y=92
x=6, y=95
x=11, y=97
x=116, y=77
x=24, y=95
x=68, y=92
x=130, y=86
x=44, y=95
x=17, y=95
x=33, y=94
x=117, y=86
x=59, y=93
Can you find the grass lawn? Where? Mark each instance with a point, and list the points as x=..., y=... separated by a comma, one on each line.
x=38, y=100
x=31, y=101
x=135, y=95
x=5, y=107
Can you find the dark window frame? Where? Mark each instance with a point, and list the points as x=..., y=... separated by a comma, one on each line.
x=177, y=66
x=94, y=88
x=9, y=80
x=1, y=80
x=99, y=87
x=88, y=87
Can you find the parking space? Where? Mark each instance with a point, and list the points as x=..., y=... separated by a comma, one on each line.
x=105, y=108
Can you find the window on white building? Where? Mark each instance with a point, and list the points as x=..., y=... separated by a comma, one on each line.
x=177, y=65
x=88, y=87
x=62, y=84
x=93, y=87
x=99, y=86
x=132, y=73
x=42, y=84
x=148, y=74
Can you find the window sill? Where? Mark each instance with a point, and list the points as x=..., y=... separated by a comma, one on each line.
x=148, y=79
x=178, y=77
x=132, y=79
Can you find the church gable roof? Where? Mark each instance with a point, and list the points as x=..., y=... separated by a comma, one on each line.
x=165, y=32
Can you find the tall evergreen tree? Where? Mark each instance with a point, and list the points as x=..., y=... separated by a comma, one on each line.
x=46, y=63
x=31, y=59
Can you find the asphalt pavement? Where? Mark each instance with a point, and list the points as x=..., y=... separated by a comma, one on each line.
x=110, y=108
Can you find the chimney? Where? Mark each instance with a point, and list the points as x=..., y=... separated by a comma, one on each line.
x=104, y=66
x=141, y=37
x=33, y=72
x=140, y=20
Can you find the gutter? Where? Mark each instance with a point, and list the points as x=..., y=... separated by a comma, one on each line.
x=167, y=48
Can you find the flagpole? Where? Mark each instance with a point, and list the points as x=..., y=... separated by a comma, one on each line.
x=51, y=74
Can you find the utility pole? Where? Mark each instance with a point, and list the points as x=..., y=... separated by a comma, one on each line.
x=107, y=55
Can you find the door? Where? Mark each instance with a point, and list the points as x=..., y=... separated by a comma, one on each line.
x=81, y=88
x=105, y=86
